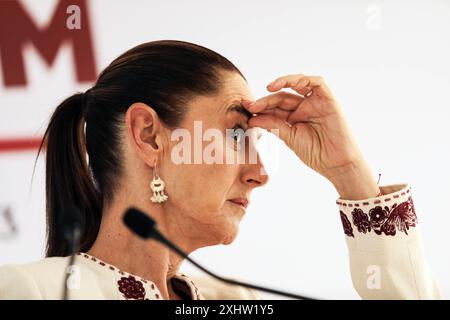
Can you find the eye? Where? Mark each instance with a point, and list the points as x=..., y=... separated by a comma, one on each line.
x=237, y=133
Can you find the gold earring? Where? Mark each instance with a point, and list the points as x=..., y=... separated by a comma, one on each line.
x=157, y=185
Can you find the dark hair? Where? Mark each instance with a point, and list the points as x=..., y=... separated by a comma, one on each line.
x=165, y=75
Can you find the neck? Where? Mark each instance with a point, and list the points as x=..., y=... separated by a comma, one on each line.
x=147, y=259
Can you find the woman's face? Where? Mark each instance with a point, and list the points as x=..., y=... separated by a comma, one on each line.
x=203, y=190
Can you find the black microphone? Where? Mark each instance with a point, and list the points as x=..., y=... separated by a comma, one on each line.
x=71, y=226
x=145, y=227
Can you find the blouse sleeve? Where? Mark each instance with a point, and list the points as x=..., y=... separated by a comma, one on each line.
x=385, y=246
x=16, y=283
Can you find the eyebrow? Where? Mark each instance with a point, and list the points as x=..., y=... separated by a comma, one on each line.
x=240, y=109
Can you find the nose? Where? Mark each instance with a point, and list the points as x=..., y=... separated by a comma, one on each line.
x=255, y=174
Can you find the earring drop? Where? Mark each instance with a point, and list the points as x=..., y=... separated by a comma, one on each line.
x=157, y=185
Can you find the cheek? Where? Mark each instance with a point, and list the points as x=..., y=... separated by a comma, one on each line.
x=201, y=186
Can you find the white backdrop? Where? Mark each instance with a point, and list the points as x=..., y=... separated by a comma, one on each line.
x=386, y=62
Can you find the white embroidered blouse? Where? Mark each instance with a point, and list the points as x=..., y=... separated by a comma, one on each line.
x=90, y=278
x=384, y=244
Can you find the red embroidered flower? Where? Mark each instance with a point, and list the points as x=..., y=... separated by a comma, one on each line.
x=412, y=209
x=401, y=217
x=348, y=230
x=131, y=288
x=377, y=217
x=361, y=220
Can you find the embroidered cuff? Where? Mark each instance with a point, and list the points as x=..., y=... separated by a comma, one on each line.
x=386, y=216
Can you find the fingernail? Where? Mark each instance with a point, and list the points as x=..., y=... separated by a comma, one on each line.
x=303, y=81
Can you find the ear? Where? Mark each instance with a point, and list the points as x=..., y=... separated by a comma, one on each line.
x=144, y=128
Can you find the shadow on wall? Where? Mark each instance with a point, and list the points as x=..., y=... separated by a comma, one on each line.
x=8, y=226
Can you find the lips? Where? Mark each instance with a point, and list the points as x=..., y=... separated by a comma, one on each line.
x=240, y=201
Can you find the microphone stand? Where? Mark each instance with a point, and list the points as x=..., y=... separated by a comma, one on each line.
x=76, y=236
x=72, y=233
x=142, y=225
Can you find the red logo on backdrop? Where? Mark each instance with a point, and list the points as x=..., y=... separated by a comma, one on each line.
x=17, y=28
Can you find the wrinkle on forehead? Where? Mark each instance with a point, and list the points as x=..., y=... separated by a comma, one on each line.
x=233, y=89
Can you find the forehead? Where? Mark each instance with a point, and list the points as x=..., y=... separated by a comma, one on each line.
x=234, y=85
x=233, y=89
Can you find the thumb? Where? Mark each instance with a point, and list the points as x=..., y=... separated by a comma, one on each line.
x=275, y=125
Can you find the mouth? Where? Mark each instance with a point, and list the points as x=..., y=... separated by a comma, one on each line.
x=242, y=202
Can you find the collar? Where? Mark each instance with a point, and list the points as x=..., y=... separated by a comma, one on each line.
x=132, y=287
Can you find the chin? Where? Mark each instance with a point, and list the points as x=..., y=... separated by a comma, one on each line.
x=231, y=236
x=226, y=231
x=228, y=241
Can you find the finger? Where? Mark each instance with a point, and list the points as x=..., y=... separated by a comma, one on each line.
x=305, y=92
x=274, y=125
x=279, y=113
x=282, y=100
x=296, y=80
x=280, y=82
x=298, y=83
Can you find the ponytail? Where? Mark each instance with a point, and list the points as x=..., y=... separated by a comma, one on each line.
x=68, y=179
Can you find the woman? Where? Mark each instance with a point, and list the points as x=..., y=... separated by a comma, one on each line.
x=112, y=147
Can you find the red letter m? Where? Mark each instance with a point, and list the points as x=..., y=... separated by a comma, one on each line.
x=17, y=29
